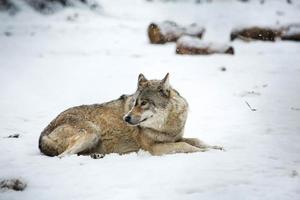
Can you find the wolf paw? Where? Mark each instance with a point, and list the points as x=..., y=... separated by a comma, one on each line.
x=97, y=155
x=217, y=148
x=202, y=149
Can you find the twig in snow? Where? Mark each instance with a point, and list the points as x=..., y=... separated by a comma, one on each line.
x=294, y=173
x=13, y=136
x=12, y=184
x=296, y=109
x=252, y=109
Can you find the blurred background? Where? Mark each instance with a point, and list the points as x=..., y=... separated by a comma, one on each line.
x=235, y=61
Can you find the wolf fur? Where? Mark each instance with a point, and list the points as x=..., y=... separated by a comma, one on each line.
x=152, y=119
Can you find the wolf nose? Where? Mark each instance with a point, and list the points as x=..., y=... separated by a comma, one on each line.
x=127, y=119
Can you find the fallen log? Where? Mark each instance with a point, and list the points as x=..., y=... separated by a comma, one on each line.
x=292, y=32
x=256, y=33
x=194, y=46
x=168, y=31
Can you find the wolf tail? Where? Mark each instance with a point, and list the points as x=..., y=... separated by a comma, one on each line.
x=45, y=144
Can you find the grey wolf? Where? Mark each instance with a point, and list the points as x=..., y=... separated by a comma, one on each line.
x=152, y=119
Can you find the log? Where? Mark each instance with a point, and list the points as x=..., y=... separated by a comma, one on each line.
x=168, y=31
x=256, y=33
x=292, y=32
x=194, y=46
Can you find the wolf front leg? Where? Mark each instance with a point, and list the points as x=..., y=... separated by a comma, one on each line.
x=200, y=144
x=171, y=148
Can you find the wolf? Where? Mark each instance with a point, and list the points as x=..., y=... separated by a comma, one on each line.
x=152, y=119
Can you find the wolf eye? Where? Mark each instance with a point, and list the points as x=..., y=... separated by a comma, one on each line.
x=143, y=103
x=161, y=92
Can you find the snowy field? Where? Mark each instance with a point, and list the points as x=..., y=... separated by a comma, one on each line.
x=49, y=63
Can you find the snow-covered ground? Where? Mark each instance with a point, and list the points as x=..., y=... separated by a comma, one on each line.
x=49, y=63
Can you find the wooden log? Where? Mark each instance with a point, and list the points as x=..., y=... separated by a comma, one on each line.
x=194, y=46
x=168, y=31
x=291, y=32
x=256, y=33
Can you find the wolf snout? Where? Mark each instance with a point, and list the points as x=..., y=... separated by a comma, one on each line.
x=132, y=120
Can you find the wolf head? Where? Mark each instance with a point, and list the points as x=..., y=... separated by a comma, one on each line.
x=150, y=103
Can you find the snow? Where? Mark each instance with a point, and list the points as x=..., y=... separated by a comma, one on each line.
x=49, y=64
x=194, y=29
x=193, y=42
x=292, y=30
x=169, y=27
x=172, y=28
x=272, y=27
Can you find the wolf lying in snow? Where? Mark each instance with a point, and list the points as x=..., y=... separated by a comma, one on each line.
x=152, y=119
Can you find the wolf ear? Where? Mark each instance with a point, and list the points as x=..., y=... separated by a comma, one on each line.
x=142, y=77
x=165, y=81
x=142, y=81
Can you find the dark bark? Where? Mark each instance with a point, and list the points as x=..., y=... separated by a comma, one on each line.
x=255, y=33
